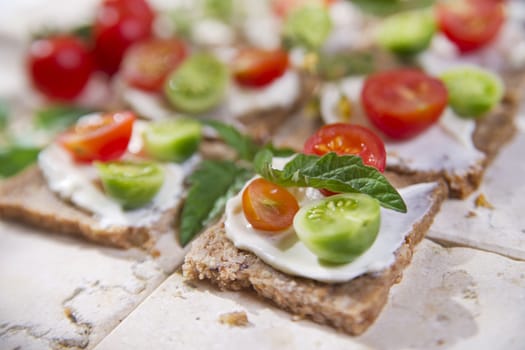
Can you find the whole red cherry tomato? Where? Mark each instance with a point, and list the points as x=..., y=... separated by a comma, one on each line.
x=404, y=102
x=470, y=24
x=60, y=66
x=118, y=25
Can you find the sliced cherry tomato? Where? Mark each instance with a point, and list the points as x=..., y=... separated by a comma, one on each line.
x=131, y=184
x=60, y=67
x=268, y=206
x=101, y=137
x=470, y=24
x=403, y=103
x=118, y=25
x=340, y=228
x=147, y=64
x=348, y=139
x=257, y=68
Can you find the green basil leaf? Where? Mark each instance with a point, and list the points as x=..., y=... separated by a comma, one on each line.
x=59, y=117
x=334, y=173
x=84, y=32
x=243, y=144
x=16, y=158
x=388, y=7
x=4, y=115
x=210, y=185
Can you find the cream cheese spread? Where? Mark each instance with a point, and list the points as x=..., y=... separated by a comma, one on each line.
x=446, y=145
x=288, y=254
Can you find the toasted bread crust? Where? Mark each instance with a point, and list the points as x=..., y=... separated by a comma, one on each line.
x=28, y=199
x=351, y=307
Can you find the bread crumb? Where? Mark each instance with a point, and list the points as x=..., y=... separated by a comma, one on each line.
x=481, y=201
x=471, y=214
x=155, y=253
x=296, y=318
x=234, y=319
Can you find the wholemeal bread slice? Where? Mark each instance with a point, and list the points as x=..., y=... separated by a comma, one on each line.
x=27, y=198
x=351, y=307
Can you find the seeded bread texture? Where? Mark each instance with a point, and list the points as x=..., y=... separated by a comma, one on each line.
x=27, y=198
x=350, y=307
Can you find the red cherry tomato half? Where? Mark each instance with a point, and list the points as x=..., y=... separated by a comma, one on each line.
x=148, y=63
x=283, y=7
x=403, y=103
x=101, y=137
x=60, y=67
x=470, y=24
x=118, y=25
x=348, y=139
x=257, y=68
x=268, y=206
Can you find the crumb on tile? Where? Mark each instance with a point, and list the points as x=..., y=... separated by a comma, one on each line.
x=481, y=201
x=471, y=214
x=155, y=253
x=234, y=319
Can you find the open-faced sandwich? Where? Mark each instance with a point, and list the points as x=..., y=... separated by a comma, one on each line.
x=111, y=178
x=332, y=259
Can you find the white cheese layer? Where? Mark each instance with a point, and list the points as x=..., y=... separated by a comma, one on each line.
x=75, y=182
x=446, y=145
x=288, y=254
x=505, y=52
x=282, y=92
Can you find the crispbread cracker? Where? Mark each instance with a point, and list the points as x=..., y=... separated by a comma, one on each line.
x=27, y=198
x=351, y=307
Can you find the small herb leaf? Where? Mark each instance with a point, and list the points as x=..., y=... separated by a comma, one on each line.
x=243, y=144
x=334, y=173
x=211, y=185
x=58, y=117
x=16, y=158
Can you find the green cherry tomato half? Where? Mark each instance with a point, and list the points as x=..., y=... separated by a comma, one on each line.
x=407, y=33
x=131, y=184
x=198, y=84
x=308, y=26
x=472, y=91
x=339, y=228
x=172, y=140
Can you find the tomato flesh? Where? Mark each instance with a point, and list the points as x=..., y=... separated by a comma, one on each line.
x=60, y=67
x=348, y=139
x=268, y=206
x=101, y=137
x=118, y=25
x=147, y=64
x=403, y=103
x=257, y=68
x=470, y=24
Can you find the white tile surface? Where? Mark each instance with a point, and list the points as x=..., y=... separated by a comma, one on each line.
x=449, y=298
x=501, y=229
x=57, y=291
